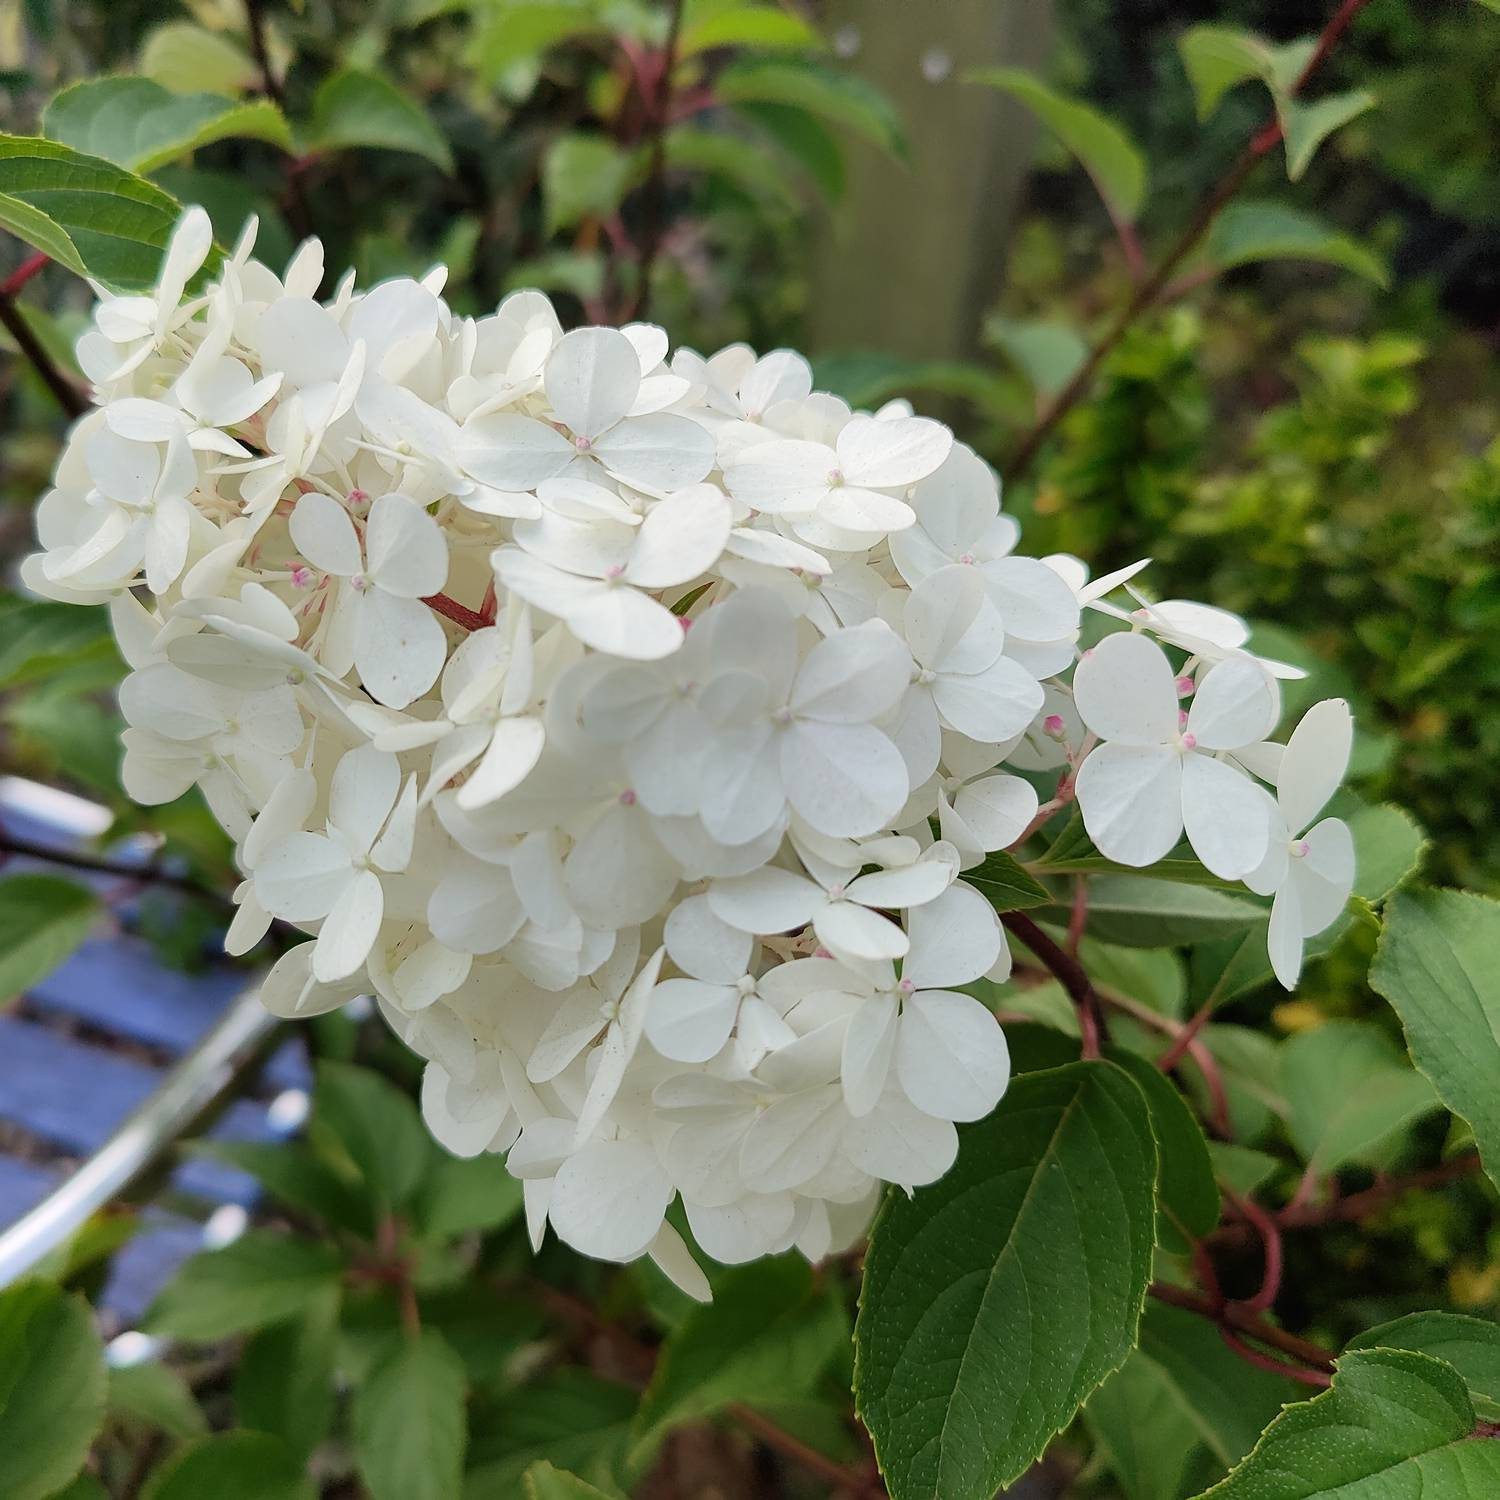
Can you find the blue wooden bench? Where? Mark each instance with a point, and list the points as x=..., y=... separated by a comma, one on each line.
x=106, y=1063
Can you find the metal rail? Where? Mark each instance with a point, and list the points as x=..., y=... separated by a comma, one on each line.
x=204, y=1080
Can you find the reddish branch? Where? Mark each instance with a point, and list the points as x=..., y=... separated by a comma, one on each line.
x=1151, y=290
x=460, y=614
x=1355, y=1206
x=1242, y=1320
x=64, y=391
x=654, y=197
x=1069, y=973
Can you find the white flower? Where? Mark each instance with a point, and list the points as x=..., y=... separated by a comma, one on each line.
x=1159, y=773
x=376, y=621
x=1309, y=869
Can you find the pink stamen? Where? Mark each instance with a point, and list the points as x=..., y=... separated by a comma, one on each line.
x=627, y=798
x=1053, y=726
x=301, y=576
x=1185, y=687
x=1190, y=742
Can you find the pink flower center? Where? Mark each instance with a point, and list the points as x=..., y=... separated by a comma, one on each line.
x=627, y=797
x=1190, y=742
x=1053, y=726
x=582, y=444
x=1300, y=849
x=1185, y=686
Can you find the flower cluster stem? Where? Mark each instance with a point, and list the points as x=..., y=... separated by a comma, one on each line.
x=1069, y=973
x=64, y=391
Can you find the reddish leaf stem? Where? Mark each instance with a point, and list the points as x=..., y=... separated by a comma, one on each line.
x=23, y=273
x=1070, y=974
x=460, y=614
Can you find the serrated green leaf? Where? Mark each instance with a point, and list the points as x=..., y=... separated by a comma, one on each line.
x=1393, y=1425
x=997, y=1298
x=141, y=125
x=115, y=221
x=355, y=108
x=43, y=920
x=1438, y=964
x=1113, y=161
x=583, y=176
x=1005, y=884
x=1349, y=1092
x=768, y=1333
x=1250, y=231
x=260, y=1279
x=377, y=1126
x=230, y=1466
x=156, y=1396
x=1470, y=1345
x=841, y=97
x=409, y=1424
x=1307, y=126
x=188, y=58
x=1187, y=1192
x=285, y=1382
x=543, y=1481
x=1145, y=1436
x=760, y=27
x=52, y=1383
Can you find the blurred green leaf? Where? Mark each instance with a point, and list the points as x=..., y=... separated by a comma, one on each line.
x=971, y=1352
x=89, y=215
x=43, y=920
x=409, y=1424
x=508, y=32
x=761, y=27
x=544, y=1482
x=52, y=1383
x=1348, y=1092
x=38, y=637
x=285, y=1382
x=1048, y=354
x=1242, y=1168
x=354, y=108
x=377, y=1125
x=1137, y=911
x=1113, y=161
x=768, y=1333
x=743, y=164
x=156, y=1396
x=189, y=59
x=1217, y=58
x=583, y=176
x=1144, y=1430
x=460, y=1194
x=141, y=125
x=290, y=1172
x=841, y=97
x=230, y=1466
x=1307, y=126
x=1263, y=230
x=804, y=138
x=1392, y=1424
x=260, y=1279
x=1438, y=964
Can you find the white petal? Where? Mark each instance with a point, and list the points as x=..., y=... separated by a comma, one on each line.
x=1317, y=755
x=992, y=706
x=782, y=477
x=1227, y=816
x=1033, y=601
x=578, y=1019
x=592, y=378
x=510, y=453
x=939, y=612
x=622, y=621
x=1131, y=799
x=751, y=1226
x=689, y=1021
x=906, y=885
x=791, y=1141
x=1324, y=876
x=1237, y=703
x=900, y=1144
x=704, y=945
x=405, y=548
x=852, y=676
x=674, y=1260
x=365, y=786
x=1125, y=691
x=681, y=537
x=846, y=780
x=513, y=750
x=765, y=901
x=954, y=940
x=862, y=512
x=618, y=1048
x=609, y=1199
x=289, y=989
x=657, y=453
x=894, y=453
x=951, y=1056
x=856, y=932
x=302, y=876
x=998, y=809
x=399, y=647
x=323, y=533
x=618, y=874
x=350, y=929
x=1284, y=936
x=869, y=1047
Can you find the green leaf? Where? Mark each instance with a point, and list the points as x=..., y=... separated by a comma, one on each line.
x=743, y=165
x=767, y=1334
x=1242, y=1168
x=1438, y=964
x=1265, y=230
x=186, y=58
x=156, y=1396
x=1154, y=976
x=230, y=1466
x=294, y=1175
x=804, y=138
x=1072, y=852
x=43, y=920
x=52, y=1383
x=1187, y=1193
x=1146, y=1436
x=460, y=1194
x=1307, y=126
x=544, y=1482
x=1393, y=1425
x=571, y=1418
x=1227, y=1400
x=1047, y=353
x=38, y=637
x=1248, y=1062
x=377, y=1126
x=997, y=1298
x=583, y=176
x=1217, y=58
x=1470, y=1345
x=90, y=215
x=1138, y=911
x=285, y=1382
x=141, y=125
x=261, y=1278
x=517, y=31
x=1348, y=1092
x=409, y=1422
x=1005, y=885
x=1113, y=161
x=764, y=27
x=843, y=98
x=354, y=108
x=84, y=1487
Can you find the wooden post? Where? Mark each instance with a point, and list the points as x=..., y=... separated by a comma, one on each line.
x=915, y=254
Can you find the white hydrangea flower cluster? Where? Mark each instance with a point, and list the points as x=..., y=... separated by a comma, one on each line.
x=626, y=723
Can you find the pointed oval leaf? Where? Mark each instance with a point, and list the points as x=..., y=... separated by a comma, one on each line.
x=355, y=108
x=410, y=1429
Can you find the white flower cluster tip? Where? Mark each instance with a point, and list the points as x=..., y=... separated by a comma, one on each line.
x=626, y=723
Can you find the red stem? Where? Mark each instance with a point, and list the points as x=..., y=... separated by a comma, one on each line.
x=460, y=614
x=1071, y=975
x=22, y=274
